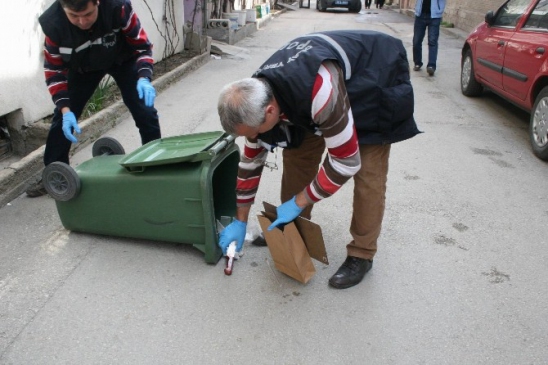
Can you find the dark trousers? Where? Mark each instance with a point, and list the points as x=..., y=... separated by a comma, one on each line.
x=433, y=24
x=368, y=3
x=81, y=87
x=379, y=3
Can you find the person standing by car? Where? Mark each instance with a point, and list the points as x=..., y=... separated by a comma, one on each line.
x=84, y=41
x=348, y=91
x=428, y=14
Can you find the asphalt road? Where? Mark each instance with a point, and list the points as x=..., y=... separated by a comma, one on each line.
x=460, y=276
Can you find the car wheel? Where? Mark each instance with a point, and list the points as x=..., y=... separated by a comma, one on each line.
x=320, y=5
x=538, y=126
x=468, y=84
x=107, y=146
x=355, y=7
x=61, y=181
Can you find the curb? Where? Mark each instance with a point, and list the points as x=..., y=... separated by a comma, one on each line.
x=17, y=177
x=455, y=32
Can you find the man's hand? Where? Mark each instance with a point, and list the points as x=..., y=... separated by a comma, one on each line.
x=146, y=91
x=235, y=231
x=287, y=212
x=69, y=124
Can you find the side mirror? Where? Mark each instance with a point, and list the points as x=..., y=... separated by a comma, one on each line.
x=490, y=17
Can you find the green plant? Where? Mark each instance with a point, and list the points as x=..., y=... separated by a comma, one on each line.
x=447, y=24
x=97, y=100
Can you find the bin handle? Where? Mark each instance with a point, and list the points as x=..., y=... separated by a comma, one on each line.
x=219, y=146
x=135, y=168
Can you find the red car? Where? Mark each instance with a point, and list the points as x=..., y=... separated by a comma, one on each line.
x=508, y=54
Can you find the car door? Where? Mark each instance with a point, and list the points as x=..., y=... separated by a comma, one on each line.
x=526, y=52
x=491, y=44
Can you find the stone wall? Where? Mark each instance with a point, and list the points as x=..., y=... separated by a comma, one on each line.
x=464, y=14
x=467, y=14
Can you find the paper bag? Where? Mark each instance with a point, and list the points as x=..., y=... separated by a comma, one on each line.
x=292, y=248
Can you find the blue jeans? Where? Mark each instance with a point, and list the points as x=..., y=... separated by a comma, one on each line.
x=81, y=87
x=433, y=24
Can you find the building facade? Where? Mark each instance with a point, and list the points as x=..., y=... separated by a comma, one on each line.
x=464, y=14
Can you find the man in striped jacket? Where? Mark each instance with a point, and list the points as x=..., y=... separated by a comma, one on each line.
x=348, y=91
x=84, y=41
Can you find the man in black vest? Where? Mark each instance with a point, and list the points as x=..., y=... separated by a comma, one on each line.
x=86, y=40
x=347, y=91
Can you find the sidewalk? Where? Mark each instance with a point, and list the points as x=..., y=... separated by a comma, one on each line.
x=455, y=32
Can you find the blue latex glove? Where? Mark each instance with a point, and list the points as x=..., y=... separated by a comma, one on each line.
x=146, y=91
x=69, y=124
x=235, y=231
x=287, y=212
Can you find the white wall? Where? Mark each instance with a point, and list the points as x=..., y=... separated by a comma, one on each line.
x=151, y=23
x=22, y=84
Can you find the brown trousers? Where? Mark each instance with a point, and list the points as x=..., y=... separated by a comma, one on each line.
x=300, y=166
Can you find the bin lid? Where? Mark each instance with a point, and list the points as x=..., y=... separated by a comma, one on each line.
x=184, y=148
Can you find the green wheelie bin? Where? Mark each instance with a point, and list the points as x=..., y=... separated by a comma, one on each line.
x=173, y=189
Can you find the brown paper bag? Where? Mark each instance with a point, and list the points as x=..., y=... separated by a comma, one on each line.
x=292, y=248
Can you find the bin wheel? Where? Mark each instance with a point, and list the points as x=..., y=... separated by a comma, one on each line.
x=107, y=146
x=61, y=181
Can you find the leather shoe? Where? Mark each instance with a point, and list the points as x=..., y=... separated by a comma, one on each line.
x=351, y=272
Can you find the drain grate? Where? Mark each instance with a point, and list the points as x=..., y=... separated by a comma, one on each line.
x=5, y=144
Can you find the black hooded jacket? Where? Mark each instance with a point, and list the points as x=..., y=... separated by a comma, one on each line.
x=376, y=71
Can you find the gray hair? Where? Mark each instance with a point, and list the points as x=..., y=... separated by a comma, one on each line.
x=243, y=102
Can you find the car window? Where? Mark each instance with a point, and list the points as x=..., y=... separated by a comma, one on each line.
x=538, y=20
x=509, y=14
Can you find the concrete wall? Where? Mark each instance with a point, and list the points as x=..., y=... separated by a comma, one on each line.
x=166, y=15
x=21, y=75
x=24, y=97
x=467, y=14
x=464, y=14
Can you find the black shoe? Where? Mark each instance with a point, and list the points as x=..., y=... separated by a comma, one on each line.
x=351, y=272
x=259, y=241
x=36, y=190
x=430, y=70
x=417, y=68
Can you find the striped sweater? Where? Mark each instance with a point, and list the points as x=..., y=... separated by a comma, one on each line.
x=332, y=114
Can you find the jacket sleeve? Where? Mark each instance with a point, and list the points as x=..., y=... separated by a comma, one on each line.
x=56, y=74
x=331, y=112
x=137, y=40
x=250, y=170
